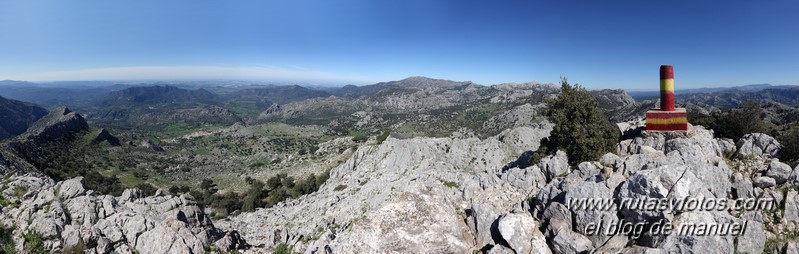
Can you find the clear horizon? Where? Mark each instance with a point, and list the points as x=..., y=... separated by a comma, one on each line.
x=616, y=44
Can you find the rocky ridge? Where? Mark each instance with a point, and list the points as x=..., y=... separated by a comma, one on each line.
x=69, y=217
x=453, y=195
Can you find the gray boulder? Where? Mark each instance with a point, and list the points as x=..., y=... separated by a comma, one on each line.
x=757, y=145
x=555, y=165
x=727, y=146
x=765, y=182
x=753, y=241
x=667, y=181
x=584, y=216
x=692, y=243
x=71, y=188
x=742, y=186
x=521, y=233
x=791, y=208
x=781, y=172
x=564, y=240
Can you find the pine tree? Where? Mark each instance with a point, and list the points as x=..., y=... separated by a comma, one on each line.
x=581, y=130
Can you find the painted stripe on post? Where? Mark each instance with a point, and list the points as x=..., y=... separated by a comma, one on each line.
x=674, y=120
x=667, y=85
x=667, y=127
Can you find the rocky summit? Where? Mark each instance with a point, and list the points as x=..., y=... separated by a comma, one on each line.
x=446, y=195
x=450, y=195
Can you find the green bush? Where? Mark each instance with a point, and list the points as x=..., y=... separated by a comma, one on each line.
x=147, y=189
x=208, y=186
x=738, y=122
x=282, y=249
x=177, y=190
x=789, y=140
x=7, y=244
x=383, y=136
x=252, y=199
x=581, y=129
x=359, y=137
x=34, y=243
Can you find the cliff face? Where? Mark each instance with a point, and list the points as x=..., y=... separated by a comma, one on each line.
x=17, y=116
x=59, y=124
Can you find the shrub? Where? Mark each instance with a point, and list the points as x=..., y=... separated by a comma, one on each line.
x=790, y=144
x=382, y=137
x=34, y=243
x=581, y=129
x=177, y=190
x=208, y=186
x=147, y=189
x=282, y=249
x=452, y=184
x=321, y=179
x=252, y=198
x=274, y=182
x=359, y=137
x=738, y=122
x=7, y=244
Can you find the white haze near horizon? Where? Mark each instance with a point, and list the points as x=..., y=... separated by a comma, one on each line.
x=165, y=73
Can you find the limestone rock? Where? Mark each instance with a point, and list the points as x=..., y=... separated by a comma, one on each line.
x=566, y=241
x=781, y=172
x=159, y=224
x=757, y=144
x=71, y=188
x=791, y=207
x=765, y=182
x=753, y=240
x=521, y=232
x=555, y=165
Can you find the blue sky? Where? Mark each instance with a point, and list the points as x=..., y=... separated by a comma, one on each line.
x=600, y=44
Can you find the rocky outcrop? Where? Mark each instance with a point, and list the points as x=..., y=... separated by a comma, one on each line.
x=619, y=106
x=757, y=144
x=428, y=195
x=66, y=215
x=60, y=124
x=272, y=111
x=104, y=136
x=152, y=146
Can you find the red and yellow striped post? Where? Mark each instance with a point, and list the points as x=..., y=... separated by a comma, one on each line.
x=667, y=118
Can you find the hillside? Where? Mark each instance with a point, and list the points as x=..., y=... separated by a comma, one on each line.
x=17, y=116
x=418, y=106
